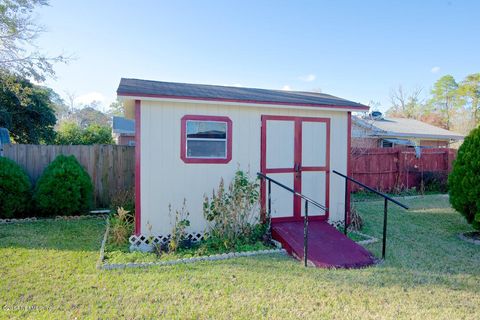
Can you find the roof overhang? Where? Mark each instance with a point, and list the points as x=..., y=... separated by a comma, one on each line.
x=418, y=136
x=126, y=97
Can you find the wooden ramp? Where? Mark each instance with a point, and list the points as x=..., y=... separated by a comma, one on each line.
x=327, y=247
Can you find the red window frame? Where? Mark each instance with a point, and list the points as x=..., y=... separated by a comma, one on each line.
x=183, y=139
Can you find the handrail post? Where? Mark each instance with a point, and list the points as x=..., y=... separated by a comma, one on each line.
x=385, y=210
x=305, y=235
x=345, y=223
x=269, y=199
x=269, y=206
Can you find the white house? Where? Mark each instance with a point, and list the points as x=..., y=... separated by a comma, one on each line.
x=189, y=136
x=381, y=132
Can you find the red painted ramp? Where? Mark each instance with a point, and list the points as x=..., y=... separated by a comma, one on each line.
x=327, y=247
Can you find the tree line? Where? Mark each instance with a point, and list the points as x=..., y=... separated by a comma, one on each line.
x=450, y=104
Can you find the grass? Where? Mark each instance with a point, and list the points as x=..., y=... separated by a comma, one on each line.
x=370, y=196
x=47, y=270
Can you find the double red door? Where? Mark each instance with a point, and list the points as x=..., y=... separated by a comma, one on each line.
x=296, y=152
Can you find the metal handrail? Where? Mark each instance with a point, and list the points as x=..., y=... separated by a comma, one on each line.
x=305, y=217
x=372, y=190
x=315, y=203
x=385, y=207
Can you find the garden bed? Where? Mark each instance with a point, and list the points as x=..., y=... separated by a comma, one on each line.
x=119, y=256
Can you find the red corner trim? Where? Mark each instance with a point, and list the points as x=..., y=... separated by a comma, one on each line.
x=138, y=197
x=183, y=139
x=349, y=163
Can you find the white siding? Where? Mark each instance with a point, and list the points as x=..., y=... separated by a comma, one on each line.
x=166, y=179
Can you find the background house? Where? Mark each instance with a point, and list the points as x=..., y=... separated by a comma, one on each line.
x=378, y=132
x=123, y=131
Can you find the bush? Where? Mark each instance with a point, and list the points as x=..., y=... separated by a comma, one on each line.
x=15, y=190
x=464, y=180
x=71, y=133
x=434, y=181
x=233, y=213
x=64, y=188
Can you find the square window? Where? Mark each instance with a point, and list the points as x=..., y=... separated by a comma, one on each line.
x=206, y=139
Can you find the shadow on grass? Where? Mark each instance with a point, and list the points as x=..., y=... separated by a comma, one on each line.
x=71, y=235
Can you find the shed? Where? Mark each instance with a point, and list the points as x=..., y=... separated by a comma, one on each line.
x=189, y=136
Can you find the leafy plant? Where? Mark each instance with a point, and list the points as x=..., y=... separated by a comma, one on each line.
x=233, y=214
x=64, y=188
x=15, y=189
x=464, y=180
x=157, y=248
x=121, y=226
x=179, y=227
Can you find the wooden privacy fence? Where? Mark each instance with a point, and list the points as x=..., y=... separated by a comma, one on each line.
x=394, y=169
x=111, y=167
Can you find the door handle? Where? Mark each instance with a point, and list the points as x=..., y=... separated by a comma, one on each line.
x=297, y=167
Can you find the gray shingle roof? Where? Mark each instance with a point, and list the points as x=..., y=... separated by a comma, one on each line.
x=137, y=87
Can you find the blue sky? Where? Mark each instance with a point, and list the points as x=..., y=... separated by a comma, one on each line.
x=357, y=50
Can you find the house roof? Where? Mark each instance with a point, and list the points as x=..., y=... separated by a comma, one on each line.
x=173, y=90
x=402, y=127
x=122, y=125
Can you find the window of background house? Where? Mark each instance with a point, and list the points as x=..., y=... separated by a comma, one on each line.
x=387, y=144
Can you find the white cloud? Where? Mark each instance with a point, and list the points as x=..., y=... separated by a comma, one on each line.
x=286, y=88
x=90, y=97
x=435, y=69
x=308, y=78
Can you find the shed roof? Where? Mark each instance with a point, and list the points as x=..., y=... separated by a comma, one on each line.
x=160, y=89
x=402, y=127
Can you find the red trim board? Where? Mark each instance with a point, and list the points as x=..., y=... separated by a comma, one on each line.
x=138, y=199
x=349, y=164
x=183, y=139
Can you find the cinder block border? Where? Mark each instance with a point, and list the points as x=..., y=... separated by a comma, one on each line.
x=469, y=240
x=35, y=219
x=370, y=239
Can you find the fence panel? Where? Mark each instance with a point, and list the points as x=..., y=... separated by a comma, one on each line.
x=111, y=167
x=391, y=169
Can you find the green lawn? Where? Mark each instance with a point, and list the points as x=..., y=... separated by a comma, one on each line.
x=47, y=270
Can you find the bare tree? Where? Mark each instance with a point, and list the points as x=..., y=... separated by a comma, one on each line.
x=405, y=104
x=18, y=32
